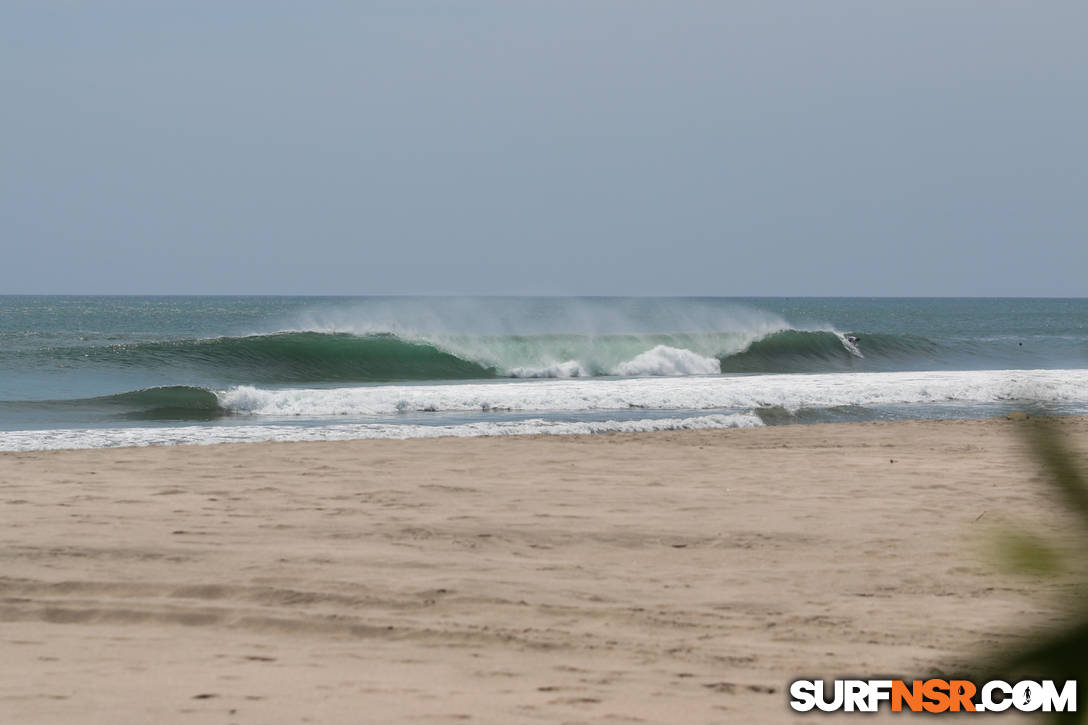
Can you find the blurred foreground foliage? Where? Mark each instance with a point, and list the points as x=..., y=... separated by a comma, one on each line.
x=1061, y=655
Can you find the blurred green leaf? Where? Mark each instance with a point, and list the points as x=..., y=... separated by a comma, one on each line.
x=1062, y=655
x=1057, y=457
x=1026, y=554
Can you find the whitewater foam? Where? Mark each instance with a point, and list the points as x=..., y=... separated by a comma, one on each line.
x=663, y=360
x=790, y=392
x=568, y=369
x=36, y=440
x=659, y=361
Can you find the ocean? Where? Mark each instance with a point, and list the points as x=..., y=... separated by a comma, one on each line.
x=89, y=372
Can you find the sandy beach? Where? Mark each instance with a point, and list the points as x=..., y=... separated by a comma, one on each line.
x=662, y=577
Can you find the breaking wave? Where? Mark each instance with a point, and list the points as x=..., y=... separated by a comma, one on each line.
x=337, y=357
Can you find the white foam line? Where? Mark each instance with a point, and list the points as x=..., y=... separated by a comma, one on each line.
x=38, y=440
x=792, y=392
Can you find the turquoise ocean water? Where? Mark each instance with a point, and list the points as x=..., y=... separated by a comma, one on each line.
x=79, y=372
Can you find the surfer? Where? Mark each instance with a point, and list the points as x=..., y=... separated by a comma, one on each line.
x=853, y=340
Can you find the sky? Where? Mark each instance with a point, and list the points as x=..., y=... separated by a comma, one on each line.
x=713, y=148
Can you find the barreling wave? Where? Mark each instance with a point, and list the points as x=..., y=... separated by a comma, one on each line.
x=335, y=357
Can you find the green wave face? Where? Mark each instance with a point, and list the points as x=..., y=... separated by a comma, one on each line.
x=801, y=351
x=179, y=397
x=297, y=357
x=174, y=402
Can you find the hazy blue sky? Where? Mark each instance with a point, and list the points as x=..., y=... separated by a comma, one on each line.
x=710, y=148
